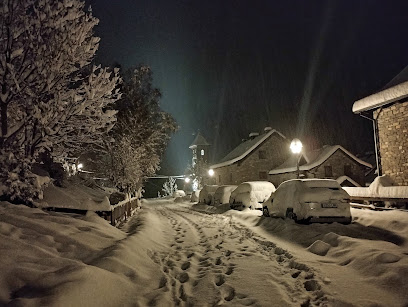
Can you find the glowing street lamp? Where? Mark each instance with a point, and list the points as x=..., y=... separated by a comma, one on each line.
x=187, y=180
x=80, y=166
x=296, y=148
x=211, y=172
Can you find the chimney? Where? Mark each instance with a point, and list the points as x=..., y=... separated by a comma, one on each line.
x=267, y=129
x=253, y=135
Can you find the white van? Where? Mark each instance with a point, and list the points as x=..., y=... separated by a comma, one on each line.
x=222, y=194
x=251, y=195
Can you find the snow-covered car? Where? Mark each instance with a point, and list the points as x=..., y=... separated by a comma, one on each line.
x=206, y=194
x=251, y=195
x=222, y=194
x=310, y=200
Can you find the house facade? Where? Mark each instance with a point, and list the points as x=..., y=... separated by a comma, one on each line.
x=253, y=158
x=388, y=110
x=330, y=162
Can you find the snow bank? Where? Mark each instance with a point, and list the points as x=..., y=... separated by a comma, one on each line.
x=381, y=187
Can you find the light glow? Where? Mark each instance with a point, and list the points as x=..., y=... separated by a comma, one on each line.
x=211, y=172
x=296, y=146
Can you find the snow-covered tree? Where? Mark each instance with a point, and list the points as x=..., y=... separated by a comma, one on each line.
x=52, y=99
x=141, y=133
x=169, y=187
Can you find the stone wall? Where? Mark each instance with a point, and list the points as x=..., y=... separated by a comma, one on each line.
x=393, y=141
x=252, y=167
x=336, y=162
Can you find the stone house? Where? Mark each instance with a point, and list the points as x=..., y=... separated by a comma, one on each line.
x=332, y=162
x=388, y=111
x=253, y=158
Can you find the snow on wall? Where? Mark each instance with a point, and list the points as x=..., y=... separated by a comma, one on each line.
x=381, y=187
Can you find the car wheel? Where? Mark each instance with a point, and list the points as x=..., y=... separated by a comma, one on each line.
x=265, y=212
x=291, y=215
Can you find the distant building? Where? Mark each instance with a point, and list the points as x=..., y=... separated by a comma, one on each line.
x=253, y=158
x=200, y=148
x=388, y=110
x=331, y=162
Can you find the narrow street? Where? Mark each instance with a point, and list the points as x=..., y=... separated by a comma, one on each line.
x=214, y=260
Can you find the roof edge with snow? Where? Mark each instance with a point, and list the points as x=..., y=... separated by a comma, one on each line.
x=318, y=162
x=232, y=161
x=389, y=95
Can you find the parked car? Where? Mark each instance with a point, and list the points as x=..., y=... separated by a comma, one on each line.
x=222, y=194
x=251, y=195
x=310, y=200
x=206, y=194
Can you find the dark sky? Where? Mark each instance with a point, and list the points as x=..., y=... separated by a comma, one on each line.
x=228, y=68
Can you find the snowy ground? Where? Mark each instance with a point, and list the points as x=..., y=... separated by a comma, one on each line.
x=179, y=254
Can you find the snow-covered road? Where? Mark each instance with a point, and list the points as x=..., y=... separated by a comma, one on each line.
x=212, y=259
x=183, y=254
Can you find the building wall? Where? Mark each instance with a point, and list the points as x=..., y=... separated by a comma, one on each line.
x=336, y=162
x=393, y=141
x=276, y=151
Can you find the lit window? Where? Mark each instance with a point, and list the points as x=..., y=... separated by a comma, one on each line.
x=202, y=152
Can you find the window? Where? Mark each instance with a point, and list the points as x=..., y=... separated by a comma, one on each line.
x=328, y=171
x=219, y=178
x=347, y=170
x=262, y=154
x=202, y=152
x=263, y=175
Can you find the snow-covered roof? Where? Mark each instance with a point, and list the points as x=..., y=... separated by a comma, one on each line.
x=245, y=148
x=313, y=159
x=199, y=141
x=342, y=179
x=382, y=98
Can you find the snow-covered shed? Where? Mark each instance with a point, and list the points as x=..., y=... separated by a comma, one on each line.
x=388, y=110
x=253, y=158
x=326, y=162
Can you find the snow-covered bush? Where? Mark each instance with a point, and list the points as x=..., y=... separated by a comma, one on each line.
x=19, y=183
x=169, y=187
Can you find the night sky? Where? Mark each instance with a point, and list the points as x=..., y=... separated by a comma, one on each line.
x=228, y=68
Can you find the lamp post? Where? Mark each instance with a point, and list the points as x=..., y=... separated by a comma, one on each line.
x=296, y=148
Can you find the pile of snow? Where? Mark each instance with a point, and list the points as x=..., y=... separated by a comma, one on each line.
x=250, y=194
x=381, y=187
x=179, y=193
x=206, y=194
x=222, y=194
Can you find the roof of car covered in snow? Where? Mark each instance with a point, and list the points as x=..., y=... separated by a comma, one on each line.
x=314, y=158
x=395, y=90
x=245, y=148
